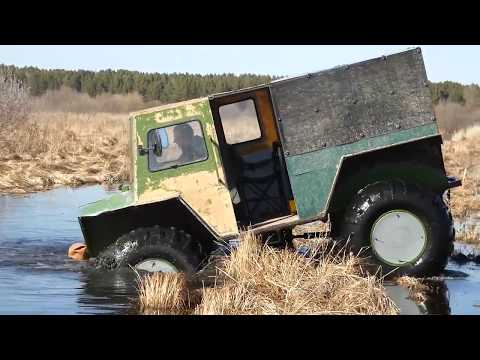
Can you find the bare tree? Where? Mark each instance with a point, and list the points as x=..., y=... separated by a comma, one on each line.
x=15, y=104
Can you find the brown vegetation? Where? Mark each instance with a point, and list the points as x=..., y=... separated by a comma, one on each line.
x=68, y=138
x=164, y=293
x=460, y=127
x=51, y=149
x=462, y=159
x=15, y=102
x=417, y=289
x=70, y=101
x=62, y=138
x=453, y=117
x=431, y=294
x=469, y=234
x=259, y=280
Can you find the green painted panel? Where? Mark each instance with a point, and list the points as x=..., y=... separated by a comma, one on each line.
x=312, y=174
x=114, y=202
x=201, y=111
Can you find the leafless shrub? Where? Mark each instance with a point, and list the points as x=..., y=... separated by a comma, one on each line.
x=15, y=102
x=69, y=100
x=461, y=154
x=453, y=117
x=58, y=148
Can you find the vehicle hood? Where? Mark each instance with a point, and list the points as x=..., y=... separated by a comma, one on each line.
x=114, y=202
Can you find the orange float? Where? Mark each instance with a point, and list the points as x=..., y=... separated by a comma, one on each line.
x=78, y=251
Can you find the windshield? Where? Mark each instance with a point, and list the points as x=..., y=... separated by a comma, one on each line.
x=181, y=144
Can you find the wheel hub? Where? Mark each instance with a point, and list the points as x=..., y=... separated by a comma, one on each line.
x=156, y=265
x=398, y=237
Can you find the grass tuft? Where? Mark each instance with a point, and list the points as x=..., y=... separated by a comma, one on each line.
x=260, y=280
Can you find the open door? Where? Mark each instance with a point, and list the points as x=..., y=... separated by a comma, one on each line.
x=252, y=155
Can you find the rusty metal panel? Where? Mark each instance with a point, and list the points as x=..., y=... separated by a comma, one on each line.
x=345, y=104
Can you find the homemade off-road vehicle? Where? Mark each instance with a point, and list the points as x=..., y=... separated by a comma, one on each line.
x=356, y=144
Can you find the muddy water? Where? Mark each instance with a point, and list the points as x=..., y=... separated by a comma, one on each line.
x=36, y=276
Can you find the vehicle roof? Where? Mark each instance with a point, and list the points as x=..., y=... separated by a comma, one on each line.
x=231, y=92
x=247, y=89
x=167, y=106
x=303, y=75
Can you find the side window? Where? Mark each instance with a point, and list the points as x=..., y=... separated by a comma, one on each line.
x=240, y=122
x=181, y=144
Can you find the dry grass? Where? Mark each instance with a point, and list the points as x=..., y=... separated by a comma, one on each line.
x=462, y=159
x=15, y=102
x=84, y=146
x=454, y=117
x=259, y=280
x=62, y=138
x=431, y=294
x=469, y=234
x=60, y=148
x=70, y=101
x=164, y=294
x=417, y=289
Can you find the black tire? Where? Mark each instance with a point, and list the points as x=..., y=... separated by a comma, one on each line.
x=172, y=245
x=354, y=226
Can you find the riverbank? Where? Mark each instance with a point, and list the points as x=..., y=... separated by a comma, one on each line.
x=53, y=149
x=36, y=276
x=61, y=148
x=462, y=159
x=259, y=280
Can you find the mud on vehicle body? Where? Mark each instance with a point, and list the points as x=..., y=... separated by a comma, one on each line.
x=358, y=144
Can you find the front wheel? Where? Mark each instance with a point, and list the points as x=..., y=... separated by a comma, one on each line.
x=400, y=228
x=153, y=249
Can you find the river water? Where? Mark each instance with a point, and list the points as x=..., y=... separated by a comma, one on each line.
x=37, y=277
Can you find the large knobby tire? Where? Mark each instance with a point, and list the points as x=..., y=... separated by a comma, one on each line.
x=166, y=250
x=399, y=228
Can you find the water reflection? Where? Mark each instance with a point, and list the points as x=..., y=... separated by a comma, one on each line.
x=456, y=292
x=36, y=276
x=437, y=300
x=108, y=291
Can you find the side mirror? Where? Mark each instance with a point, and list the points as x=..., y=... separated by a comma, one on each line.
x=157, y=148
x=157, y=143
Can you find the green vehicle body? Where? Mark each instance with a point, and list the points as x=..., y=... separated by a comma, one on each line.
x=320, y=175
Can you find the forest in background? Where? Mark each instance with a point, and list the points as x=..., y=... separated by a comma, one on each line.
x=160, y=87
x=68, y=137
x=165, y=87
x=456, y=106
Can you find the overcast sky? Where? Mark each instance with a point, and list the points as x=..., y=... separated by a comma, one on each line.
x=443, y=62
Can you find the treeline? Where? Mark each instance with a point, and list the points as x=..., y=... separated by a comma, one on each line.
x=178, y=86
x=152, y=86
x=449, y=91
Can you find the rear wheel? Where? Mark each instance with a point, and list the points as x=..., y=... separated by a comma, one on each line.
x=153, y=249
x=400, y=228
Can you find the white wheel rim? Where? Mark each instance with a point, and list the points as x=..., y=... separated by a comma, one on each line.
x=156, y=265
x=398, y=237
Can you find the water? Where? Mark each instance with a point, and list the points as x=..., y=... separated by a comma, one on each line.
x=37, y=277
x=457, y=292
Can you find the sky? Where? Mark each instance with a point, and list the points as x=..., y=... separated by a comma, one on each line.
x=443, y=62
